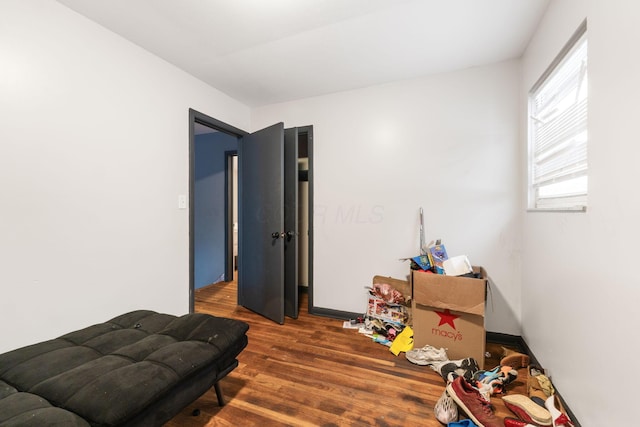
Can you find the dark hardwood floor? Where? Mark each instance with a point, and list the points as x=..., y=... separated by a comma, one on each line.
x=312, y=372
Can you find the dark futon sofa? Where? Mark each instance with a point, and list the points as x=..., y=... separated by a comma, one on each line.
x=138, y=369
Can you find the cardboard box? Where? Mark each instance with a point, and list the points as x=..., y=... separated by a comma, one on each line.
x=448, y=311
x=403, y=286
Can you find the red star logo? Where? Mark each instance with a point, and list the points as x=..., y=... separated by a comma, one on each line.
x=447, y=317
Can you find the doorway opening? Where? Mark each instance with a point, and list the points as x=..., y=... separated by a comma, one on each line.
x=212, y=146
x=305, y=217
x=231, y=185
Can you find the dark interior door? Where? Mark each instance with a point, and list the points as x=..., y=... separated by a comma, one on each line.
x=261, y=231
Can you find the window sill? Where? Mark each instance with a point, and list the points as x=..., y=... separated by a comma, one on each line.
x=578, y=209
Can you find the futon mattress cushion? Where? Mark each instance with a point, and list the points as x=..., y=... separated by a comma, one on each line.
x=108, y=373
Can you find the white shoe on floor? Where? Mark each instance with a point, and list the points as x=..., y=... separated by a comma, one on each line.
x=558, y=417
x=426, y=355
x=446, y=410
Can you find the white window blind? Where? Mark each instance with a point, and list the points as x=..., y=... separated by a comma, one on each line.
x=558, y=131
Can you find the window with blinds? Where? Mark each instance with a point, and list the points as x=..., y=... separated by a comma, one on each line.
x=558, y=131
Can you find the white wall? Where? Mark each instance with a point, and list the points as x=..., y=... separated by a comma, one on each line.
x=580, y=288
x=447, y=143
x=93, y=155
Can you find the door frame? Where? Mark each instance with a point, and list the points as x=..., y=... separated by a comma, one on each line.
x=203, y=119
x=198, y=117
x=308, y=130
x=229, y=262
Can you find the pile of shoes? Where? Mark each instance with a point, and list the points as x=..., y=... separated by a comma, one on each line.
x=469, y=389
x=542, y=406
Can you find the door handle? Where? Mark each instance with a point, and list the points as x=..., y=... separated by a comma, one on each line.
x=282, y=234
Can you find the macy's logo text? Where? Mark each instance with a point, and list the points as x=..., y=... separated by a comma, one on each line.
x=455, y=336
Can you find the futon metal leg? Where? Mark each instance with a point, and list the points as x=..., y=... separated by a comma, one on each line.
x=220, y=376
x=219, y=394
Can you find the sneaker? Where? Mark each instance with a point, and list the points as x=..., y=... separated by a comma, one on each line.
x=449, y=370
x=446, y=410
x=426, y=355
x=473, y=404
x=526, y=409
x=495, y=380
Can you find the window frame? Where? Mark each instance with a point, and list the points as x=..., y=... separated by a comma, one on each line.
x=532, y=198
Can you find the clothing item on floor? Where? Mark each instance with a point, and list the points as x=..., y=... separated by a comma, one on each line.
x=402, y=342
x=539, y=386
x=495, y=380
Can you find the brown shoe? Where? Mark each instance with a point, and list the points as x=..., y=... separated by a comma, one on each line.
x=473, y=404
x=514, y=359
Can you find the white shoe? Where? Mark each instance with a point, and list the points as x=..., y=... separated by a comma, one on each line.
x=426, y=355
x=446, y=410
x=558, y=417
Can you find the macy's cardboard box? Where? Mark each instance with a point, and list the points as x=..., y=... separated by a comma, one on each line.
x=448, y=311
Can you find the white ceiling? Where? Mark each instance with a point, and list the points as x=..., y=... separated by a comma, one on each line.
x=266, y=51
